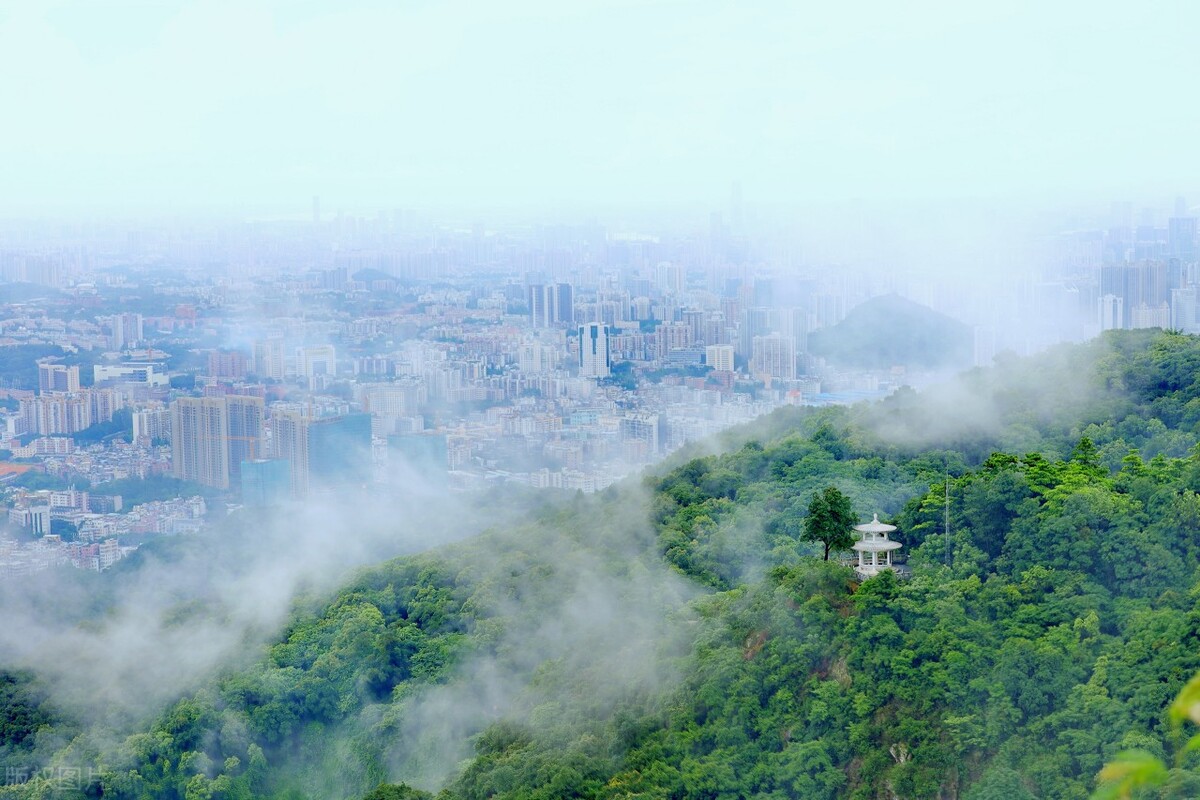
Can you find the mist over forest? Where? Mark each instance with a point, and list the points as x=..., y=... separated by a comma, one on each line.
x=609, y=399
x=642, y=640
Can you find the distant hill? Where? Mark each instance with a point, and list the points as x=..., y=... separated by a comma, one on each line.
x=889, y=330
x=18, y=363
x=25, y=292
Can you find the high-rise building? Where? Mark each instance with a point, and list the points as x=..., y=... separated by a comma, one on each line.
x=641, y=308
x=794, y=322
x=268, y=359
x=265, y=482
x=323, y=452
x=246, y=441
x=1144, y=291
x=774, y=356
x=313, y=363
x=289, y=438
x=34, y=518
x=1149, y=242
x=227, y=364
x=594, y=361
x=392, y=399
x=1182, y=238
x=668, y=277
x=645, y=430
x=339, y=450
x=535, y=357
x=695, y=319
x=551, y=304
x=1183, y=309
x=672, y=336
x=126, y=331
x=755, y=321
x=1150, y=284
x=535, y=299
x=57, y=413
x=200, y=440
x=58, y=378
x=719, y=357
x=150, y=424
x=212, y=436
x=764, y=292
x=104, y=403
x=1150, y=317
x=564, y=303
x=1112, y=312
x=374, y=365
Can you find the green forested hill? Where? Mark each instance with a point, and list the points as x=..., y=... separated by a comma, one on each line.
x=676, y=638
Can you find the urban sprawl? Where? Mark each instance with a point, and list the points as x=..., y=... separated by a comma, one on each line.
x=153, y=376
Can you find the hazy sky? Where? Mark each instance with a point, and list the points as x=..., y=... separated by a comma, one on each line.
x=180, y=103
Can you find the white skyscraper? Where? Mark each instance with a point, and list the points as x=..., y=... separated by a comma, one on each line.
x=1112, y=310
x=774, y=356
x=58, y=378
x=312, y=362
x=719, y=357
x=535, y=357
x=594, y=361
x=669, y=277
x=126, y=331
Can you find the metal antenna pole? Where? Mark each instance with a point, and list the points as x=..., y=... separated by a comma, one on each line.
x=947, y=522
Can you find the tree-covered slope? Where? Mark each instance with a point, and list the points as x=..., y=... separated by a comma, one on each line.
x=1056, y=638
x=677, y=638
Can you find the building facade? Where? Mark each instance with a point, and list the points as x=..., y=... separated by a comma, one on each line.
x=594, y=360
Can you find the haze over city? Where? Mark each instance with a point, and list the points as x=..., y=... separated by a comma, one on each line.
x=392, y=392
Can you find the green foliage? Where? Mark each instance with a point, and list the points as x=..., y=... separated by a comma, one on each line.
x=120, y=426
x=36, y=480
x=134, y=491
x=622, y=376
x=25, y=711
x=400, y=791
x=1131, y=770
x=1050, y=627
x=64, y=528
x=830, y=520
x=18, y=363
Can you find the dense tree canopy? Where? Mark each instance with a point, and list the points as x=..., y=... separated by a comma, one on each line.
x=1045, y=633
x=829, y=521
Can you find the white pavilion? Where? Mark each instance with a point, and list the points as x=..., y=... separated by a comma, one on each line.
x=874, y=548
